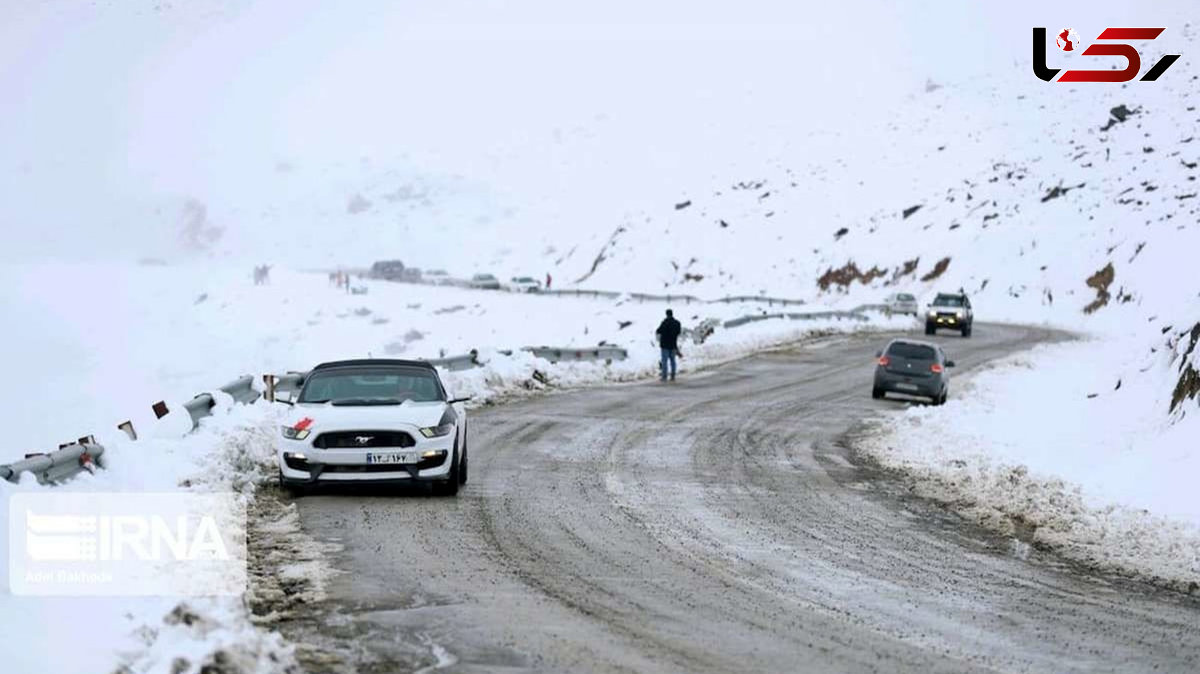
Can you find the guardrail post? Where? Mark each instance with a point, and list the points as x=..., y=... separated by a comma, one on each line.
x=127, y=427
x=269, y=382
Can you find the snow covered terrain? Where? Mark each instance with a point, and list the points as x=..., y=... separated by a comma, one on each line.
x=189, y=328
x=538, y=139
x=152, y=634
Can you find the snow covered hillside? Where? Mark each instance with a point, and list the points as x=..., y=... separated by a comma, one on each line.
x=703, y=158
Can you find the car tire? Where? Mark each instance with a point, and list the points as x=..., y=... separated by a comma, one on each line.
x=462, y=468
x=930, y=329
x=449, y=486
x=966, y=332
x=876, y=392
x=941, y=400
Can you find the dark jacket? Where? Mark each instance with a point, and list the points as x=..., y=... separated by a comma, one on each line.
x=668, y=333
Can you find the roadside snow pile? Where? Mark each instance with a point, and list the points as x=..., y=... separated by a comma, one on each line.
x=231, y=452
x=1061, y=446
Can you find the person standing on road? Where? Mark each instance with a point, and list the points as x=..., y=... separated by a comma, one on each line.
x=668, y=343
x=548, y=280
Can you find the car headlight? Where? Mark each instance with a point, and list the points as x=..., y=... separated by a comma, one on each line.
x=958, y=312
x=437, y=431
x=293, y=433
x=932, y=313
x=445, y=425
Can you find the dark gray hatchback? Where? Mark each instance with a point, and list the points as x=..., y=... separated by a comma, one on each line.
x=914, y=368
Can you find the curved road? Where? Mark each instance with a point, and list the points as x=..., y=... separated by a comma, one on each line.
x=711, y=525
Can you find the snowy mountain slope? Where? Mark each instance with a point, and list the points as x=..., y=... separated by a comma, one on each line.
x=1033, y=196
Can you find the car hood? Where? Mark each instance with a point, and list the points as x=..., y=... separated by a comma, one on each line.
x=326, y=416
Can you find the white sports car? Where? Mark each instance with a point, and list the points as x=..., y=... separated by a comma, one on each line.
x=374, y=421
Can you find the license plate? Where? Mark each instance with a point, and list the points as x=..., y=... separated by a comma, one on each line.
x=907, y=387
x=389, y=457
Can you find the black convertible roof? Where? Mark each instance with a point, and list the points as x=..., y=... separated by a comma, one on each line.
x=374, y=362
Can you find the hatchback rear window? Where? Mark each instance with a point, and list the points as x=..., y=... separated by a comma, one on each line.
x=904, y=297
x=912, y=351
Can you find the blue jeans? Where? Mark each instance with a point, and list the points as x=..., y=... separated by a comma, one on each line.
x=668, y=356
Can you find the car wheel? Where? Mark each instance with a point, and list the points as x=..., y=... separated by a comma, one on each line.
x=449, y=486
x=876, y=392
x=462, y=469
x=966, y=332
x=942, y=398
x=930, y=329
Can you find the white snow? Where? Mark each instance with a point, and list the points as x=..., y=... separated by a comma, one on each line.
x=204, y=138
x=1108, y=480
x=94, y=375
x=230, y=452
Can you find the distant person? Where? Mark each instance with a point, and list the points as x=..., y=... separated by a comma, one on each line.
x=548, y=279
x=668, y=343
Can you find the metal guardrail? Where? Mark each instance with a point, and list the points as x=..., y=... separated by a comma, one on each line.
x=556, y=354
x=686, y=299
x=857, y=314
x=72, y=459
x=241, y=390
x=465, y=361
x=576, y=292
x=770, y=301
x=56, y=466
x=671, y=297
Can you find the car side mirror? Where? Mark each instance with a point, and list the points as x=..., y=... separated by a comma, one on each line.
x=879, y=353
x=455, y=401
x=949, y=363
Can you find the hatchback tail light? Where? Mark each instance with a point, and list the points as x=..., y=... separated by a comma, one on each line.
x=935, y=368
x=884, y=360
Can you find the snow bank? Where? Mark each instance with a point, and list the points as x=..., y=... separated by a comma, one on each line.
x=1057, y=446
x=231, y=452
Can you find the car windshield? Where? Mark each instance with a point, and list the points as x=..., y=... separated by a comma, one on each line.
x=905, y=297
x=949, y=301
x=484, y=277
x=372, y=386
x=525, y=279
x=911, y=351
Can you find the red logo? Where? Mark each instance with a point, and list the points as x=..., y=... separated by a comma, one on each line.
x=1067, y=41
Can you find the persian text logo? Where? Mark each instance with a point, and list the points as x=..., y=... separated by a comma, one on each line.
x=127, y=544
x=1068, y=41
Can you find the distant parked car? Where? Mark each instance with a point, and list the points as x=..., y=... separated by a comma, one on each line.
x=901, y=303
x=913, y=367
x=485, y=282
x=387, y=270
x=438, y=277
x=526, y=284
x=950, y=310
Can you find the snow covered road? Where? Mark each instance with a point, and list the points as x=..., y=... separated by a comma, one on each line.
x=717, y=524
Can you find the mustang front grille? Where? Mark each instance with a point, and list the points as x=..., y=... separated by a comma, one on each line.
x=363, y=439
